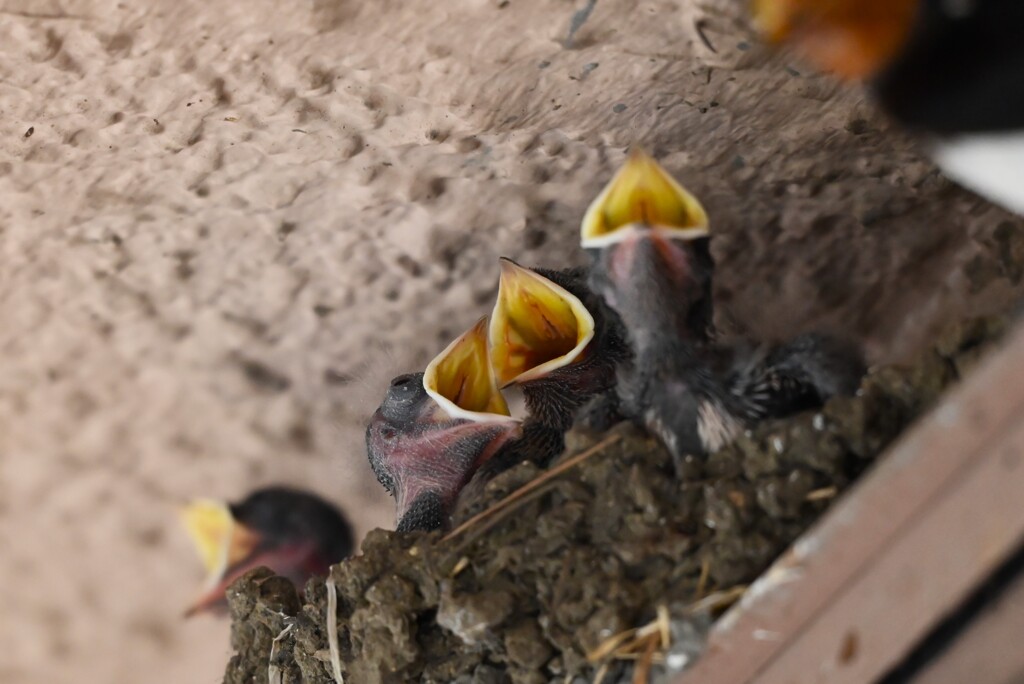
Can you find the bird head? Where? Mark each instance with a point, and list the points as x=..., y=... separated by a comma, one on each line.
x=852, y=38
x=548, y=336
x=434, y=429
x=537, y=326
x=296, y=534
x=647, y=236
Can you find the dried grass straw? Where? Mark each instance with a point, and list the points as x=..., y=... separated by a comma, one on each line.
x=332, y=629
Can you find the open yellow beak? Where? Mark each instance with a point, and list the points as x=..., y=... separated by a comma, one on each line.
x=537, y=326
x=220, y=541
x=460, y=379
x=642, y=192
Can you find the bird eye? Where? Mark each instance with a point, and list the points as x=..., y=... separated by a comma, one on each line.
x=387, y=433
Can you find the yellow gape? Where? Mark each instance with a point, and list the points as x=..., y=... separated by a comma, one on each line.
x=219, y=539
x=537, y=326
x=460, y=379
x=643, y=193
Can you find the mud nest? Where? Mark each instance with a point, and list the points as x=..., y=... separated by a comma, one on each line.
x=612, y=570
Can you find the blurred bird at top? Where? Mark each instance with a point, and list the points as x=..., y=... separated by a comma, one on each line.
x=950, y=69
x=648, y=239
x=294, y=533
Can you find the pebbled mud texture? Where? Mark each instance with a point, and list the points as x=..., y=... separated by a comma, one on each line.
x=524, y=597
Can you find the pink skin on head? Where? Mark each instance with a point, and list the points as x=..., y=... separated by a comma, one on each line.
x=431, y=453
x=655, y=282
x=674, y=259
x=443, y=461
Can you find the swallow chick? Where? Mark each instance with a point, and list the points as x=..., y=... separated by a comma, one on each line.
x=648, y=238
x=435, y=429
x=294, y=533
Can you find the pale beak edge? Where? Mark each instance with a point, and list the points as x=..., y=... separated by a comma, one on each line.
x=642, y=192
x=461, y=380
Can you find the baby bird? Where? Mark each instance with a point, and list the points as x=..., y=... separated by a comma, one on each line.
x=648, y=238
x=294, y=533
x=435, y=429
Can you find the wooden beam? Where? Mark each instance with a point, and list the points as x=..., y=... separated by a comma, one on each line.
x=903, y=547
x=988, y=649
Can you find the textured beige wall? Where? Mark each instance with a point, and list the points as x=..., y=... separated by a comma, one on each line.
x=223, y=225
